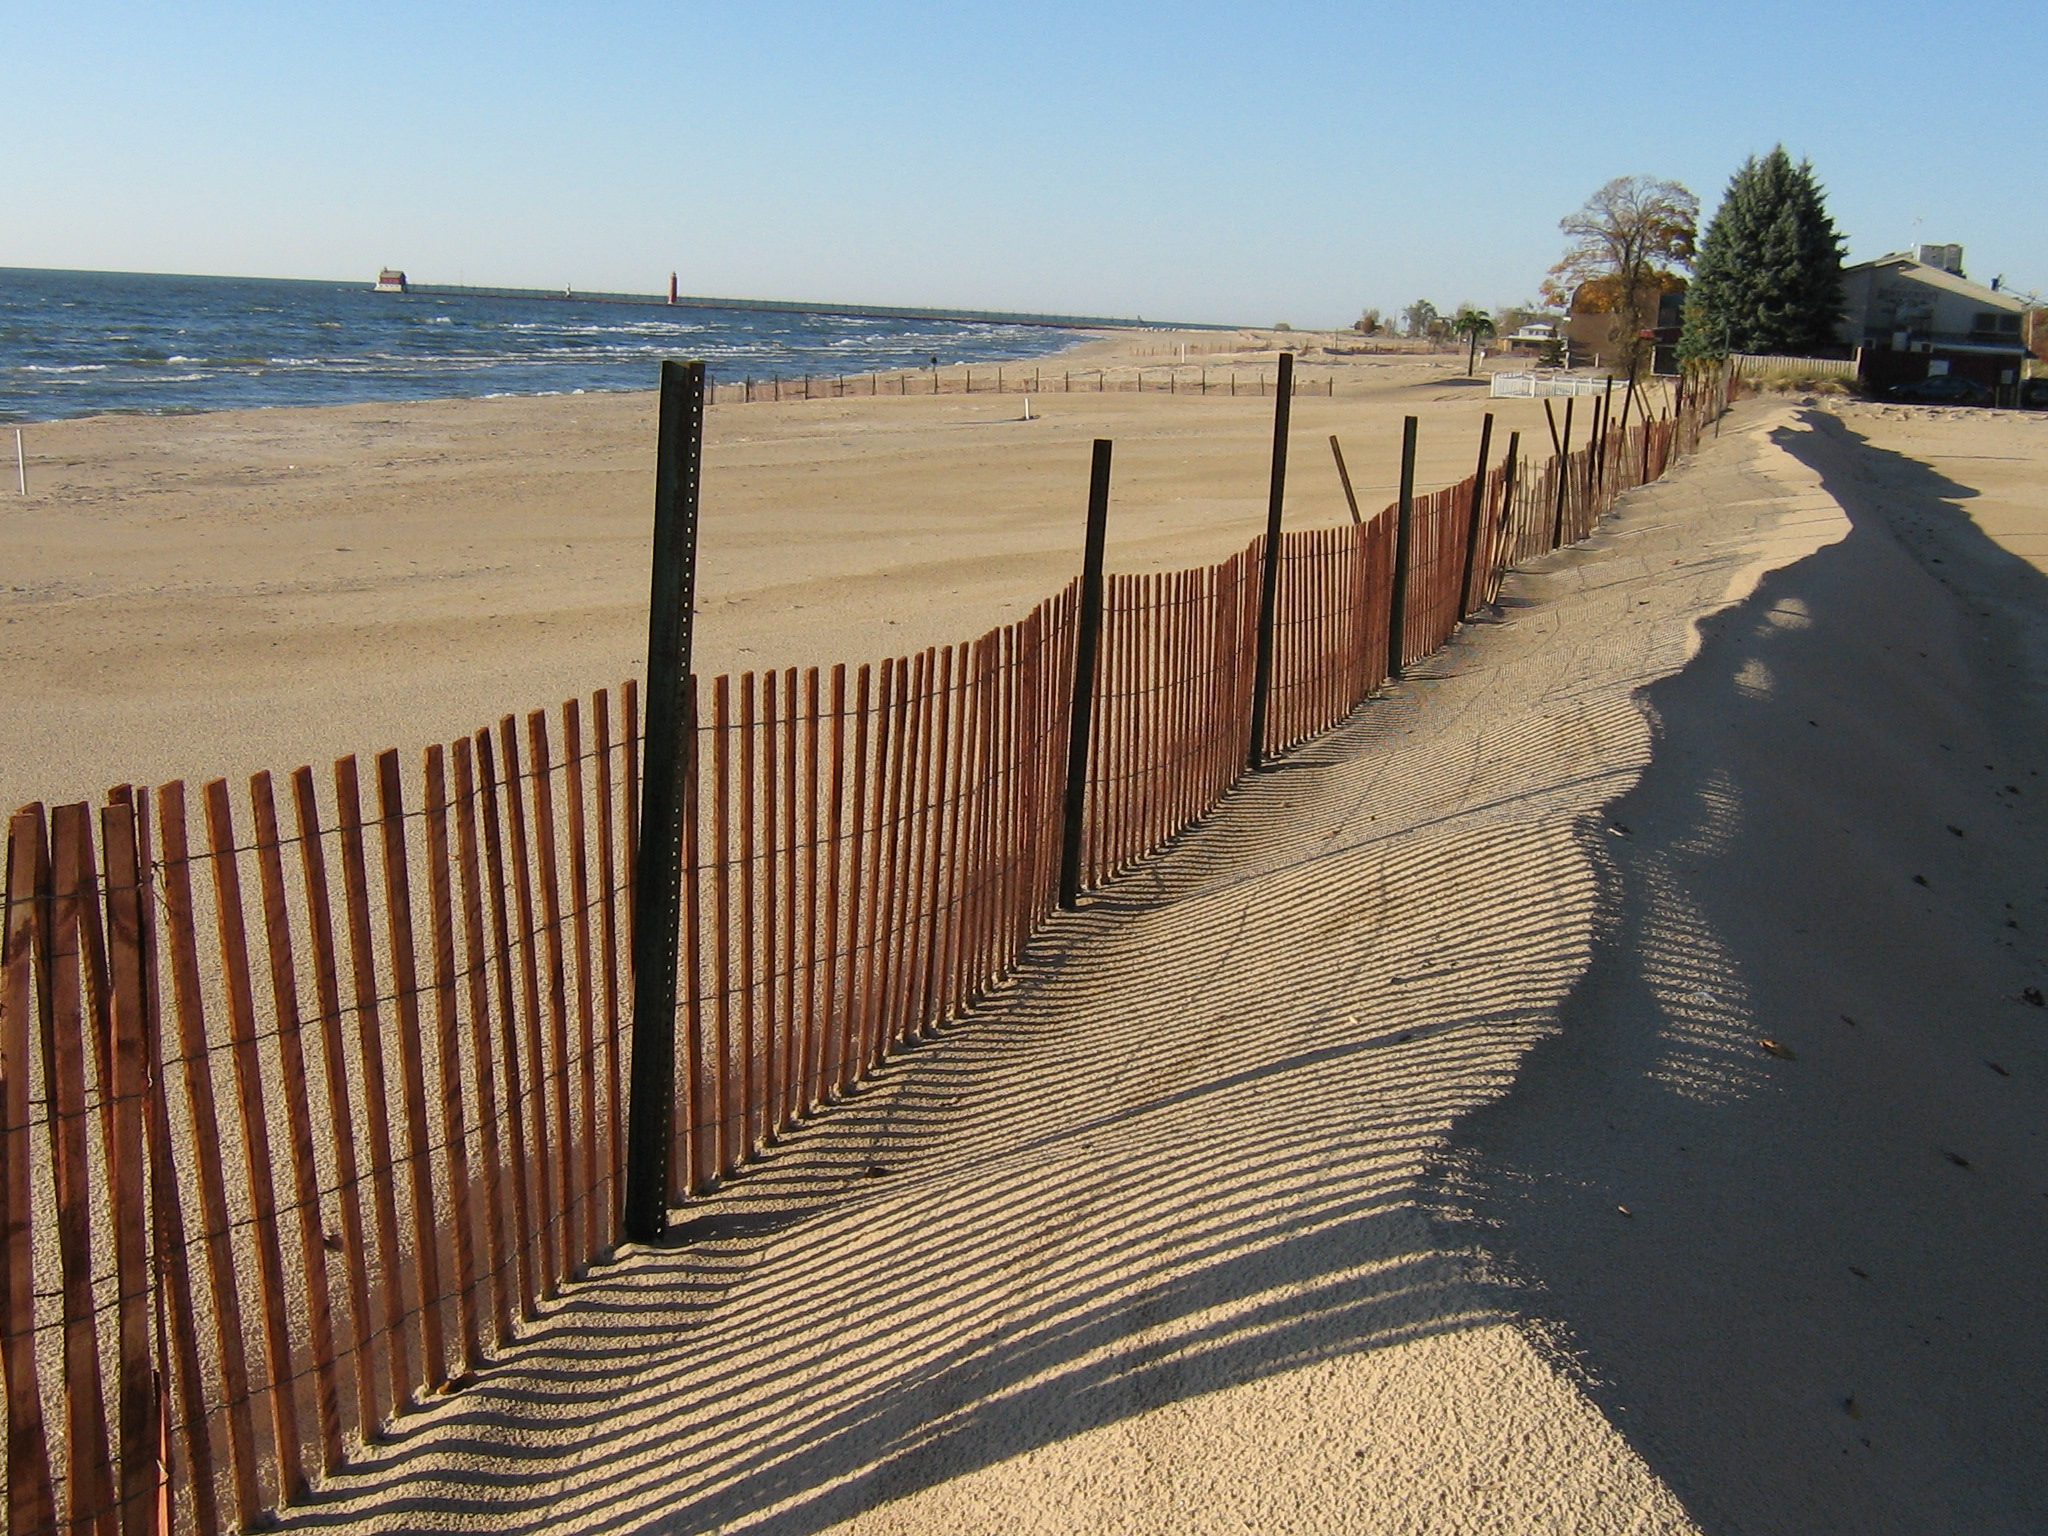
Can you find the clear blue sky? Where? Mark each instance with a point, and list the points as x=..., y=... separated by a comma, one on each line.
x=1199, y=161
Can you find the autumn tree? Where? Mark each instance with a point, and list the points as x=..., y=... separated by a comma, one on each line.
x=1628, y=247
x=1769, y=274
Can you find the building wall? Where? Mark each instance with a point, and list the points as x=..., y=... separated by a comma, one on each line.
x=1885, y=300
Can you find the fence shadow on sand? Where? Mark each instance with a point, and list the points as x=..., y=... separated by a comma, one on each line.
x=1164, y=1158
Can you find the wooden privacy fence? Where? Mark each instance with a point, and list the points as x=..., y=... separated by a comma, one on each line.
x=313, y=1088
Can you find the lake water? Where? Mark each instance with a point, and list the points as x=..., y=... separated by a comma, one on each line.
x=81, y=343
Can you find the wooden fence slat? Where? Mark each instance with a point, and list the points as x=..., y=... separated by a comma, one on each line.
x=137, y=1442
x=981, y=752
x=984, y=883
x=340, y=1112
x=832, y=1015
x=792, y=854
x=765, y=962
x=594, y=1241
x=521, y=1237
x=852, y=1037
x=880, y=860
x=909, y=880
x=89, y=1467
x=953, y=800
x=978, y=754
x=248, y=1064
x=754, y=1115
x=312, y=1231
x=31, y=1492
x=933, y=882
x=630, y=746
x=448, y=1059
x=614, y=967
x=477, y=970
x=177, y=1314
x=230, y=1347
x=719, y=1067
x=561, y=1136
x=693, y=1127
x=405, y=988
x=547, y=1270
x=809, y=974
x=398, y=1321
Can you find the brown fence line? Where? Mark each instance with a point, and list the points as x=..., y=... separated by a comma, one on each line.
x=1160, y=379
x=312, y=1093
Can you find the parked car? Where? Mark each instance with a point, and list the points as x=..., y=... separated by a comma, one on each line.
x=1942, y=389
x=2034, y=394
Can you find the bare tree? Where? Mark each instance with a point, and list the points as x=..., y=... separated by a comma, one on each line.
x=1627, y=248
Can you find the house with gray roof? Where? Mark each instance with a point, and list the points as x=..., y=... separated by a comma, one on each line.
x=1915, y=315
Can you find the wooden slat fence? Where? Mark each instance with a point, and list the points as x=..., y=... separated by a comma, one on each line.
x=311, y=1088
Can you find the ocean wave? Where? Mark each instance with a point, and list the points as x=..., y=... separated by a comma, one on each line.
x=74, y=344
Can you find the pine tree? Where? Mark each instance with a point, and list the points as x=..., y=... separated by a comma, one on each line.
x=1769, y=274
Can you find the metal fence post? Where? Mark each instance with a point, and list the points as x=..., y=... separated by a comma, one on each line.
x=1404, y=532
x=1086, y=645
x=1269, y=574
x=1478, y=515
x=657, y=862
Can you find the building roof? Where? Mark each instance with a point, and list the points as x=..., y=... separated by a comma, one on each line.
x=1934, y=277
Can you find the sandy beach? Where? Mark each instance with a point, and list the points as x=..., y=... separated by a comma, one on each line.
x=1594, y=1090
x=188, y=596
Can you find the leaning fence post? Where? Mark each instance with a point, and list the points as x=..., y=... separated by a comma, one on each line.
x=1344, y=475
x=1507, y=509
x=1081, y=721
x=1404, y=531
x=1269, y=575
x=1478, y=515
x=657, y=861
x=1564, y=475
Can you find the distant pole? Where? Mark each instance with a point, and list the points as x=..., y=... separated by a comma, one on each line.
x=20, y=463
x=1404, y=532
x=1478, y=515
x=1087, y=644
x=1343, y=474
x=658, y=861
x=1269, y=575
